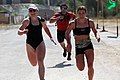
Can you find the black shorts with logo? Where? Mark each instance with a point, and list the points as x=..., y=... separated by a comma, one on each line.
x=82, y=50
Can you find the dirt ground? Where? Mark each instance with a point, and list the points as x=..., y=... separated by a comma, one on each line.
x=14, y=64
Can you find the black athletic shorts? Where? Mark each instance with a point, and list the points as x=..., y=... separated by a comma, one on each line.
x=82, y=50
x=60, y=36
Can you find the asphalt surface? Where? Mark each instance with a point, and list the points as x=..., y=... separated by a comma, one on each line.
x=14, y=64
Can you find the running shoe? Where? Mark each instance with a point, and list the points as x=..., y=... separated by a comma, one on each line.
x=64, y=53
x=69, y=56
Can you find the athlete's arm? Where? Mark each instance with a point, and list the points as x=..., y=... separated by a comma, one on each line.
x=67, y=33
x=22, y=29
x=54, y=18
x=46, y=29
x=92, y=25
x=72, y=15
x=68, y=36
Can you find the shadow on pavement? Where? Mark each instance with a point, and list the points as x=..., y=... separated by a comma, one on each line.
x=112, y=36
x=61, y=65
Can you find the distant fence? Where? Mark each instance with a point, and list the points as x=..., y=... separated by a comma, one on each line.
x=17, y=19
x=110, y=25
x=4, y=18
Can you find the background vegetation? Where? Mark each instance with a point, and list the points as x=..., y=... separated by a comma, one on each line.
x=94, y=7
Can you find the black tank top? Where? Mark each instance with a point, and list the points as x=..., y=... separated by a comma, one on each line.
x=81, y=31
x=35, y=31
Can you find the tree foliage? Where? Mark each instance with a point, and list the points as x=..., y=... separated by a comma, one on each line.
x=90, y=4
x=73, y=6
x=38, y=1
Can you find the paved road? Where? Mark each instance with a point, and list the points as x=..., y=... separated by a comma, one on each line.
x=14, y=64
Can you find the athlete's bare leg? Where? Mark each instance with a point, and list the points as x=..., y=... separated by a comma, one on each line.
x=31, y=55
x=80, y=63
x=64, y=48
x=90, y=59
x=68, y=49
x=40, y=57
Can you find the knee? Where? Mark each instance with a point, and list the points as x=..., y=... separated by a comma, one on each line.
x=34, y=64
x=81, y=68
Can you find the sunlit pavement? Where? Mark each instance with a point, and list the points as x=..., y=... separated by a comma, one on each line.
x=14, y=64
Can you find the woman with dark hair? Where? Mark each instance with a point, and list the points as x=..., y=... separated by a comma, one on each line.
x=81, y=27
x=35, y=46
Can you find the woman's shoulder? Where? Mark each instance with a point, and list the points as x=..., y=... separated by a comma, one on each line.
x=41, y=18
x=26, y=20
x=90, y=20
x=72, y=21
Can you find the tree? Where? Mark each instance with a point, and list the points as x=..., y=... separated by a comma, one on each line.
x=111, y=4
x=38, y=1
x=71, y=4
x=91, y=7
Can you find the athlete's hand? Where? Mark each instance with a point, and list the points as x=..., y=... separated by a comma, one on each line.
x=21, y=32
x=53, y=41
x=25, y=31
x=61, y=17
x=98, y=39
